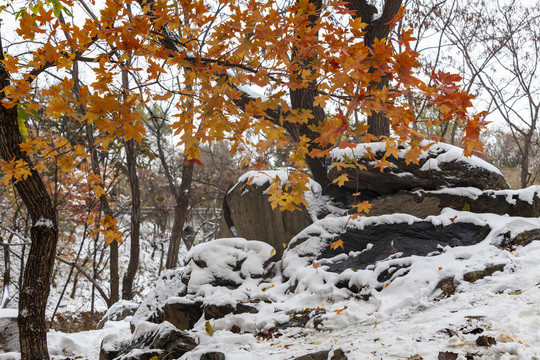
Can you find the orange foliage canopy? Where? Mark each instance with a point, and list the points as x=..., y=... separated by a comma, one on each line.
x=203, y=54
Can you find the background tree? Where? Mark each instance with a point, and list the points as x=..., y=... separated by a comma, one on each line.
x=493, y=45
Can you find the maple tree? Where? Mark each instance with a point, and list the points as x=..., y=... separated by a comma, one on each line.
x=334, y=61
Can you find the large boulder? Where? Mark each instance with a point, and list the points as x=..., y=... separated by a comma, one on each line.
x=365, y=257
x=442, y=165
x=118, y=311
x=523, y=202
x=247, y=212
x=148, y=341
x=208, y=284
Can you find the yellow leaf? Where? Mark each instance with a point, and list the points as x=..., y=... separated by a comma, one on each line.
x=340, y=180
x=65, y=163
x=108, y=221
x=98, y=191
x=336, y=244
x=40, y=167
x=208, y=328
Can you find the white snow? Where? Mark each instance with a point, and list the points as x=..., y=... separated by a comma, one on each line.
x=527, y=194
x=251, y=93
x=8, y=313
x=44, y=222
x=406, y=316
x=437, y=153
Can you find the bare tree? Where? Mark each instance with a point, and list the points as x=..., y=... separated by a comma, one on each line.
x=495, y=47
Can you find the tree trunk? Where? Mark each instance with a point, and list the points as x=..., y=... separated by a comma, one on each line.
x=7, y=273
x=525, y=175
x=43, y=233
x=129, y=276
x=131, y=158
x=376, y=29
x=180, y=216
x=94, y=160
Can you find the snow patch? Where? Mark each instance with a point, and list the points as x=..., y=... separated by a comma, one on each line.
x=45, y=223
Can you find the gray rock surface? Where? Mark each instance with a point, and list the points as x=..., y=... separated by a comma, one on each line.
x=337, y=354
x=425, y=203
x=118, y=311
x=374, y=243
x=438, y=167
x=162, y=340
x=247, y=213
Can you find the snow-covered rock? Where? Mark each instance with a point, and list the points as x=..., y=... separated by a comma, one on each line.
x=247, y=212
x=148, y=341
x=389, y=306
x=422, y=203
x=118, y=311
x=441, y=165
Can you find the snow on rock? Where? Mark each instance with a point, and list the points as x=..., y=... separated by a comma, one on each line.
x=119, y=311
x=169, y=284
x=528, y=194
x=441, y=165
x=435, y=155
x=215, y=267
x=86, y=344
x=391, y=308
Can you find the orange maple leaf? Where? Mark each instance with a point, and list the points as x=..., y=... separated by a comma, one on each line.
x=341, y=179
x=336, y=244
x=339, y=311
x=397, y=17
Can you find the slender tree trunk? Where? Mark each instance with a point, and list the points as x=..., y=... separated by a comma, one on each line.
x=129, y=276
x=43, y=233
x=377, y=29
x=94, y=159
x=7, y=273
x=525, y=175
x=131, y=158
x=180, y=216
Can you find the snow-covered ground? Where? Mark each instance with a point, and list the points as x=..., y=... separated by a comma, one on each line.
x=504, y=306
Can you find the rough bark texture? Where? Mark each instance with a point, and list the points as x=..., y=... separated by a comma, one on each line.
x=44, y=235
x=180, y=217
x=376, y=29
x=113, y=247
x=129, y=276
x=131, y=159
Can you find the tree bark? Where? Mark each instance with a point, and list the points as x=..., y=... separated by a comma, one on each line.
x=180, y=216
x=131, y=158
x=43, y=233
x=376, y=29
x=94, y=160
x=7, y=273
x=129, y=276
